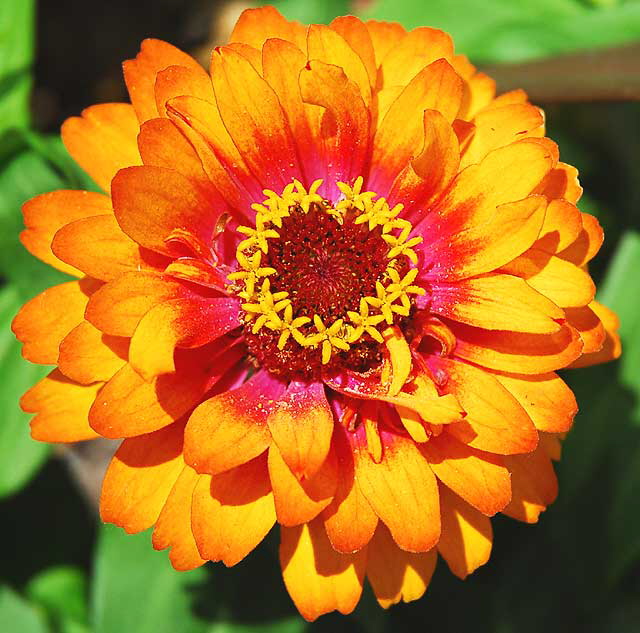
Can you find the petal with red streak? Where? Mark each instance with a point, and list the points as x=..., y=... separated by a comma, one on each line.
x=496, y=302
x=255, y=119
x=186, y=323
x=231, y=429
x=342, y=129
x=118, y=306
x=437, y=87
x=150, y=203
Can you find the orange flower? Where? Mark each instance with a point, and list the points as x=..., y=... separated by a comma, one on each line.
x=328, y=287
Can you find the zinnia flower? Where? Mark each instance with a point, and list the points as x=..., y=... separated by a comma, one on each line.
x=328, y=286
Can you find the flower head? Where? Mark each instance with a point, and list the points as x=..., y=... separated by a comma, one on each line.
x=328, y=287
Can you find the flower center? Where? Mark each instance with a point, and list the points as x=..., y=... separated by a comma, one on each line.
x=321, y=281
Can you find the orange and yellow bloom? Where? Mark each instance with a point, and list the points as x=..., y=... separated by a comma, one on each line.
x=328, y=287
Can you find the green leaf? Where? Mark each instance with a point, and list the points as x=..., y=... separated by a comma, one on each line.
x=21, y=455
x=22, y=178
x=136, y=589
x=61, y=592
x=17, y=615
x=16, y=44
x=503, y=30
x=313, y=11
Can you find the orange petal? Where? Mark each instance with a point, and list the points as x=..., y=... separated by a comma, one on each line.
x=481, y=479
x=343, y=129
x=587, y=244
x=411, y=53
x=173, y=527
x=318, y=578
x=103, y=140
x=402, y=490
x=564, y=283
x=546, y=398
x=301, y=425
x=186, y=323
x=497, y=127
x=561, y=182
x=504, y=175
x=46, y=319
x=140, y=477
x=562, y=226
x=255, y=26
x=328, y=46
x=534, y=485
x=437, y=87
x=349, y=519
x=45, y=214
x=384, y=36
x=395, y=574
x=279, y=59
x=150, y=202
x=420, y=396
x=254, y=118
x=98, y=247
x=517, y=352
x=611, y=348
x=140, y=74
x=466, y=535
x=356, y=34
x=484, y=247
x=162, y=145
x=62, y=408
x=128, y=405
x=298, y=501
x=494, y=421
x=118, y=306
x=422, y=181
x=200, y=122
x=231, y=429
x=496, y=302
x=589, y=326
x=87, y=355
x=399, y=357
x=233, y=512
x=176, y=81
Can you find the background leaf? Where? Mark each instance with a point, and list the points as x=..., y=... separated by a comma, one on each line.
x=503, y=30
x=17, y=615
x=136, y=589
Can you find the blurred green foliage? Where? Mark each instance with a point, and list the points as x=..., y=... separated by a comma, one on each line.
x=579, y=570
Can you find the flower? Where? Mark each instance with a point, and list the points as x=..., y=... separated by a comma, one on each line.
x=328, y=286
